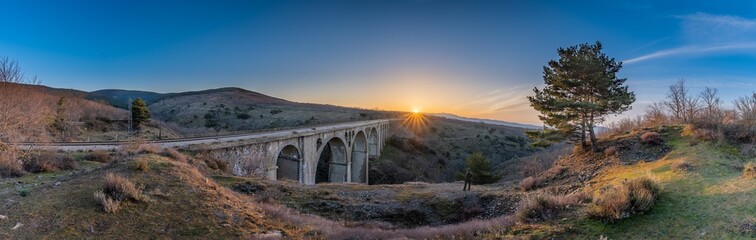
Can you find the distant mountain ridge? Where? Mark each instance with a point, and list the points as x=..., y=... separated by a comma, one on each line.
x=487, y=121
x=120, y=98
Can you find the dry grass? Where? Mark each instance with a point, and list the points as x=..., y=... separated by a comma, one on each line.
x=141, y=165
x=705, y=134
x=652, y=138
x=681, y=166
x=688, y=130
x=545, y=207
x=175, y=154
x=618, y=202
x=98, y=156
x=108, y=204
x=749, y=170
x=120, y=188
x=528, y=183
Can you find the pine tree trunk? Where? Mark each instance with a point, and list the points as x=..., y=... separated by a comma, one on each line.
x=593, y=135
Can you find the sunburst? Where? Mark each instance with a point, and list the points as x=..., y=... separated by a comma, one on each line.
x=415, y=121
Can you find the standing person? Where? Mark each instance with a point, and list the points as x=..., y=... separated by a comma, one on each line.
x=468, y=180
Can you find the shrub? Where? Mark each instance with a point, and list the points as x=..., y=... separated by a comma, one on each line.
x=749, y=170
x=680, y=166
x=10, y=167
x=47, y=161
x=174, y=154
x=108, y=204
x=141, y=165
x=120, y=188
x=705, y=134
x=215, y=164
x=40, y=162
x=618, y=202
x=98, y=156
x=651, y=138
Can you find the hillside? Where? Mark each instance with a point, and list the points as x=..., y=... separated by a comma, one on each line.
x=120, y=98
x=235, y=109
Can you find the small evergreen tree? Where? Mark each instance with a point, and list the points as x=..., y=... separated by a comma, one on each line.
x=481, y=170
x=60, y=116
x=139, y=113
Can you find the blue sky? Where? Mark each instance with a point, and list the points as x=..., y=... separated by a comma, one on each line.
x=473, y=58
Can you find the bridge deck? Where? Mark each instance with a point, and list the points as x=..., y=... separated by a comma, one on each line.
x=199, y=141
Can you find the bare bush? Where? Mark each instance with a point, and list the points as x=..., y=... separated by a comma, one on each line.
x=120, y=188
x=705, y=134
x=108, y=204
x=10, y=167
x=651, y=138
x=621, y=201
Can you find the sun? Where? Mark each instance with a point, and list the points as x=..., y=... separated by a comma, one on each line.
x=415, y=111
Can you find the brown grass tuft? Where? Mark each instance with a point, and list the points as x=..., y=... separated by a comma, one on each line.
x=545, y=207
x=120, y=188
x=705, y=134
x=651, y=138
x=98, y=156
x=141, y=165
x=108, y=204
x=749, y=170
x=618, y=202
x=688, y=131
x=528, y=183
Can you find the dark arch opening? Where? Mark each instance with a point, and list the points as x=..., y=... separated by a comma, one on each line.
x=332, y=164
x=288, y=163
x=359, y=158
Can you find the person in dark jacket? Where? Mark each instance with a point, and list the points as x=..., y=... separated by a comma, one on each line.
x=468, y=180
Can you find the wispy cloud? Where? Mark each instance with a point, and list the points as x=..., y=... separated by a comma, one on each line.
x=500, y=100
x=705, y=33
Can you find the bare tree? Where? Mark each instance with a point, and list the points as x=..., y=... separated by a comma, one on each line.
x=23, y=116
x=682, y=106
x=746, y=107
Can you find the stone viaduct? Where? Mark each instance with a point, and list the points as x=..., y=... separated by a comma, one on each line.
x=327, y=153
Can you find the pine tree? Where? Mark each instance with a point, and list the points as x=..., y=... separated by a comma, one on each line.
x=582, y=88
x=481, y=169
x=139, y=113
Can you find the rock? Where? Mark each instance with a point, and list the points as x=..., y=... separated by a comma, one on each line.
x=18, y=225
x=57, y=184
x=3, y=217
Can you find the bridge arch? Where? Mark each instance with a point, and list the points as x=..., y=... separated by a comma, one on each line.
x=358, y=165
x=332, y=162
x=373, y=143
x=288, y=163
